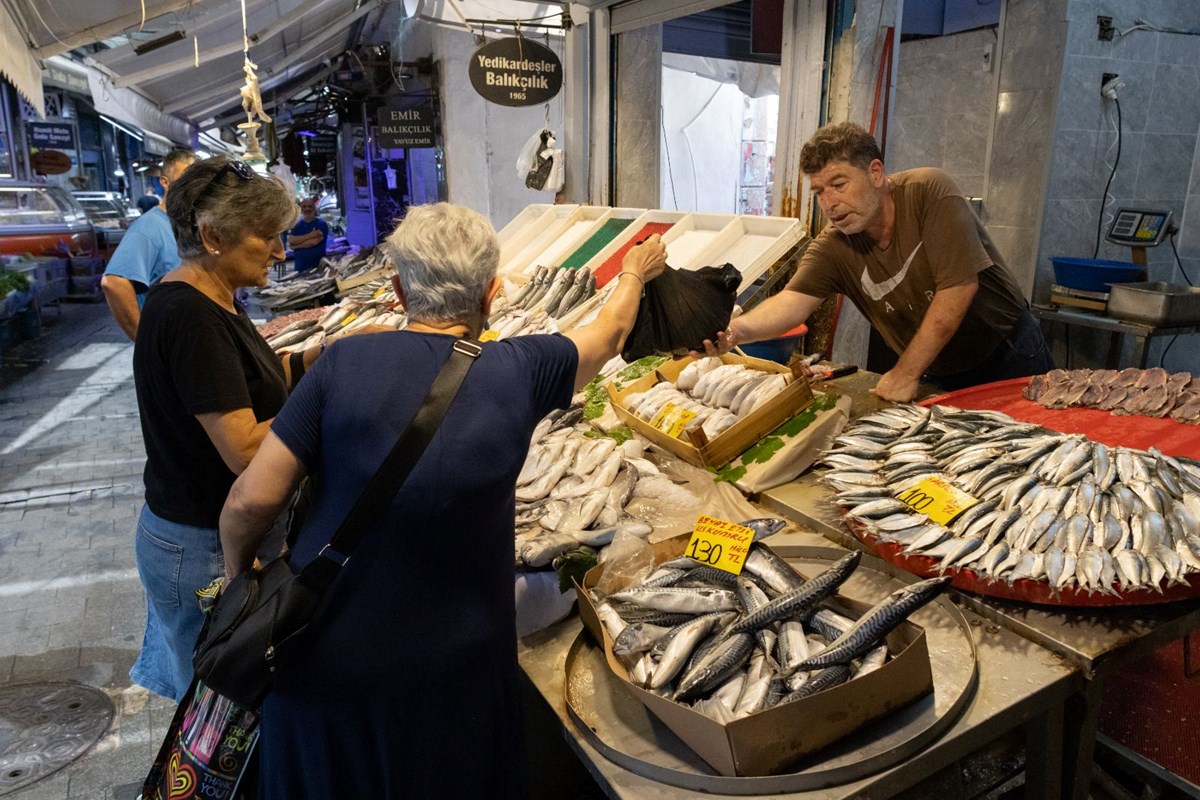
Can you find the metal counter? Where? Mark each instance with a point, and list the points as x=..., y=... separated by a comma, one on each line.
x=1019, y=684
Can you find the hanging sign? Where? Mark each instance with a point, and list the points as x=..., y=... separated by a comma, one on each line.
x=55, y=135
x=405, y=127
x=323, y=145
x=515, y=72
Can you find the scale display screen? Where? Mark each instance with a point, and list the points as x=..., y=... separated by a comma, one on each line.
x=1139, y=228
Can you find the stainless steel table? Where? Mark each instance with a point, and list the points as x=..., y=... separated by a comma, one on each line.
x=1096, y=642
x=1141, y=333
x=1021, y=685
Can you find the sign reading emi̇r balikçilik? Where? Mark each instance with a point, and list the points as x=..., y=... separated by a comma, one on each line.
x=515, y=72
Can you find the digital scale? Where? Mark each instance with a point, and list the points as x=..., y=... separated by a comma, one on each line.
x=1140, y=229
x=1136, y=229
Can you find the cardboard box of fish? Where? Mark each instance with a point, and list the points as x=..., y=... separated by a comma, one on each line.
x=708, y=411
x=756, y=671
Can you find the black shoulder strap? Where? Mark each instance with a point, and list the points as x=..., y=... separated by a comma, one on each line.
x=382, y=488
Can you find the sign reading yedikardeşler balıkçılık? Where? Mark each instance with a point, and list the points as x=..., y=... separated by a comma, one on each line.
x=515, y=72
x=405, y=127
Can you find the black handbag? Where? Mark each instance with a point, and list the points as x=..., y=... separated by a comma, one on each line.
x=260, y=618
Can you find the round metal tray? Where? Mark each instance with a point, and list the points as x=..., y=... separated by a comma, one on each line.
x=614, y=722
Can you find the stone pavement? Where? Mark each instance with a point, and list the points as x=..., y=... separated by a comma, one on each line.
x=71, y=605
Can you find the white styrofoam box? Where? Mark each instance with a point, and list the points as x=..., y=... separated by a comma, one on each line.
x=691, y=236
x=533, y=238
x=528, y=249
x=752, y=244
x=621, y=239
x=531, y=215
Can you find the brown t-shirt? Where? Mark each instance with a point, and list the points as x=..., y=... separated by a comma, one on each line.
x=937, y=242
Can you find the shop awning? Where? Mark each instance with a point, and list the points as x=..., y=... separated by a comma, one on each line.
x=17, y=64
x=287, y=37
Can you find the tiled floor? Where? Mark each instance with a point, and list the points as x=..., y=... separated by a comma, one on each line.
x=71, y=606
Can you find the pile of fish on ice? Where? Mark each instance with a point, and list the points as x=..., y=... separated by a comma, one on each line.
x=550, y=295
x=720, y=394
x=731, y=645
x=324, y=279
x=1053, y=507
x=573, y=490
x=345, y=317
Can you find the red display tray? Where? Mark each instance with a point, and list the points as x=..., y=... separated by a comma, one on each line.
x=1024, y=590
x=1171, y=437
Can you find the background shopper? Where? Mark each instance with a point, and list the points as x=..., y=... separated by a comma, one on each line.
x=146, y=252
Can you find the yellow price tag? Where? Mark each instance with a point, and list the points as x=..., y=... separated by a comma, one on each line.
x=381, y=290
x=671, y=419
x=489, y=336
x=720, y=544
x=348, y=320
x=937, y=498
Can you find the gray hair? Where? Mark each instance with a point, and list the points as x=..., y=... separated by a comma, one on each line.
x=229, y=204
x=446, y=256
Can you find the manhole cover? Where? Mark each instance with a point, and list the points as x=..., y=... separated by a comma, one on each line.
x=45, y=726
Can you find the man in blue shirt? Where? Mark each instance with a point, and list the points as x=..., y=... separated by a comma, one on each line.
x=146, y=253
x=309, y=238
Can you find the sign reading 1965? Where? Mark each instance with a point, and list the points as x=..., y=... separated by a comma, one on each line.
x=515, y=72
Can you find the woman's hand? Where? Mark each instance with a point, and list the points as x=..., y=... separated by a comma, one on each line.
x=647, y=260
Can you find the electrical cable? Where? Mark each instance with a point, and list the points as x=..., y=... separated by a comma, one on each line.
x=667, y=149
x=1162, y=360
x=1104, y=198
x=1179, y=261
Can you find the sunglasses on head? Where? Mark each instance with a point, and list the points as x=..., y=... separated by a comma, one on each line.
x=240, y=168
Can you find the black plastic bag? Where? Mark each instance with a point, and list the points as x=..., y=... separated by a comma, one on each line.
x=682, y=308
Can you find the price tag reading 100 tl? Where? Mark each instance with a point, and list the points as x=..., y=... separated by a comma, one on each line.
x=937, y=499
x=720, y=544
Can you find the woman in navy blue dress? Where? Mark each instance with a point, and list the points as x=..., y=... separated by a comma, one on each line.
x=407, y=687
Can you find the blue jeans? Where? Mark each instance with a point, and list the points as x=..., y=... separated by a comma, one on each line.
x=173, y=561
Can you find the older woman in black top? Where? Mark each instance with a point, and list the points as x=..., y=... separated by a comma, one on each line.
x=207, y=386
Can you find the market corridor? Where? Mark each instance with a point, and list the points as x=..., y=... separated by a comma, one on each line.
x=71, y=606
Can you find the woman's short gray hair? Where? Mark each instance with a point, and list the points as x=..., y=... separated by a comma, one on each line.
x=446, y=256
x=230, y=204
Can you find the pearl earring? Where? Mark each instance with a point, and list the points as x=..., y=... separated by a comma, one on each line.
x=216, y=252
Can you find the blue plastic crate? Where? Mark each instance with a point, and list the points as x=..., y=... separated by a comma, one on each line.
x=1094, y=274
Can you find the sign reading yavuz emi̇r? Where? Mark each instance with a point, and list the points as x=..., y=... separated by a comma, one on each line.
x=515, y=72
x=405, y=127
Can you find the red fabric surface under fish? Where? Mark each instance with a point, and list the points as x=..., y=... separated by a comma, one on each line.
x=1173, y=438
x=608, y=270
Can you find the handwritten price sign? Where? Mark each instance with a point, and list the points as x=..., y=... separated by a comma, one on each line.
x=672, y=419
x=720, y=544
x=489, y=336
x=937, y=499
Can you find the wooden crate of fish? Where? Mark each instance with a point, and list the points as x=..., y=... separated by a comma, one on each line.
x=757, y=671
x=721, y=406
x=1052, y=518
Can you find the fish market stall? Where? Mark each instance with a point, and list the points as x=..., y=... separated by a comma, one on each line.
x=1098, y=641
x=633, y=755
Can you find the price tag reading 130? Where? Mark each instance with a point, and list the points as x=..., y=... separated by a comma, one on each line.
x=937, y=498
x=720, y=544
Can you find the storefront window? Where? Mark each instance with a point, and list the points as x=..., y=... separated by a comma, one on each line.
x=718, y=77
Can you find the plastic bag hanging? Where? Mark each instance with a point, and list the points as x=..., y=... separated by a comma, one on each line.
x=540, y=162
x=682, y=308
